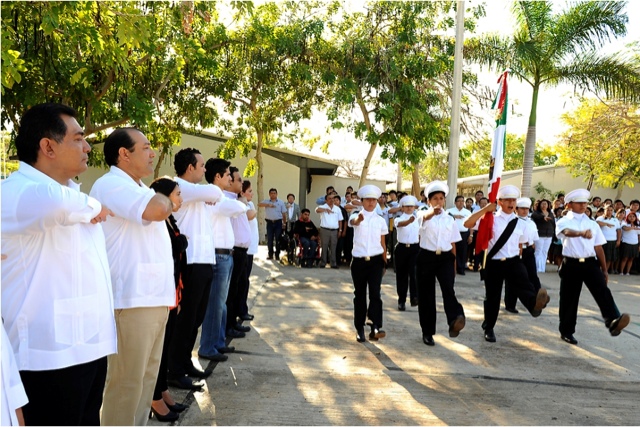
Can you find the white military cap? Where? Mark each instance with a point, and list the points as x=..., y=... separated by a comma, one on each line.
x=409, y=201
x=523, y=202
x=369, y=192
x=436, y=186
x=581, y=195
x=509, y=192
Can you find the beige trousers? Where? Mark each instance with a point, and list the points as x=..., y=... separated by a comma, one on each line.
x=132, y=372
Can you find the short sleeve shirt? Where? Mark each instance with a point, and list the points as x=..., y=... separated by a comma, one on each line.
x=579, y=247
x=438, y=233
x=366, y=236
x=275, y=213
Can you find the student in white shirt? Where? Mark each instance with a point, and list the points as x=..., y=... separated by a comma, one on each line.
x=437, y=260
x=57, y=303
x=629, y=246
x=584, y=262
x=141, y=261
x=369, y=263
x=406, y=252
x=13, y=395
x=246, y=196
x=612, y=232
x=460, y=214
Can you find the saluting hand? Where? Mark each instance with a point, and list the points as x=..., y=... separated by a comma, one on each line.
x=102, y=216
x=587, y=234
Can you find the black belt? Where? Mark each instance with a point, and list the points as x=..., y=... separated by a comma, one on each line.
x=367, y=258
x=224, y=251
x=273, y=220
x=330, y=229
x=592, y=258
x=240, y=249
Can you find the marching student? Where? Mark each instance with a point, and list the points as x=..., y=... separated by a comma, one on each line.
x=437, y=259
x=369, y=263
x=406, y=252
x=584, y=262
x=503, y=261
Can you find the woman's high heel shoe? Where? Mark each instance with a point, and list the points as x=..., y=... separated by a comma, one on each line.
x=169, y=417
x=178, y=407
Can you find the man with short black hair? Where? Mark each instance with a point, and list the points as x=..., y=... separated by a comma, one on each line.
x=275, y=213
x=307, y=233
x=330, y=223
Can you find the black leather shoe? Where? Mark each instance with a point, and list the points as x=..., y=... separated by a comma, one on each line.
x=184, y=383
x=197, y=373
x=360, y=335
x=241, y=328
x=376, y=334
x=542, y=299
x=226, y=349
x=247, y=317
x=457, y=325
x=619, y=324
x=569, y=339
x=414, y=302
x=489, y=335
x=512, y=310
x=177, y=408
x=232, y=333
x=168, y=417
x=402, y=306
x=428, y=340
x=215, y=357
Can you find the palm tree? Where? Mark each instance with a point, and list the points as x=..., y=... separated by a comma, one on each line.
x=551, y=48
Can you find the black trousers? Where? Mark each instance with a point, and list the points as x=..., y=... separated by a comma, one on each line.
x=429, y=267
x=367, y=274
x=347, y=245
x=161, y=382
x=496, y=272
x=243, y=291
x=405, y=258
x=236, y=286
x=274, y=230
x=572, y=275
x=195, y=296
x=529, y=261
x=70, y=396
x=461, y=252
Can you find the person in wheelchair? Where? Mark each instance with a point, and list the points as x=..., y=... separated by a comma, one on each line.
x=306, y=232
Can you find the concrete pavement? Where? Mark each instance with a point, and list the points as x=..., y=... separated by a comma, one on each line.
x=301, y=364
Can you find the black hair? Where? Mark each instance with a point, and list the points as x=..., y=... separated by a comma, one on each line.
x=329, y=188
x=304, y=210
x=215, y=167
x=433, y=193
x=393, y=192
x=483, y=198
x=118, y=139
x=245, y=185
x=184, y=158
x=634, y=201
x=596, y=197
x=41, y=121
x=467, y=199
x=273, y=189
x=539, y=209
x=459, y=197
x=291, y=194
x=232, y=170
x=479, y=192
x=163, y=185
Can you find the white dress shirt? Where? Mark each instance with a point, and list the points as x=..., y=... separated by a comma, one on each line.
x=460, y=222
x=609, y=233
x=366, y=236
x=194, y=221
x=255, y=232
x=13, y=394
x=530, y=231
x=439, y=233
x=579, y=247
x=139, y=251
x=512, y=247
x=240, y=224
x=221, y=214
x=57, y=302
x=629, y=237
x=330, y=220
x=409, y=233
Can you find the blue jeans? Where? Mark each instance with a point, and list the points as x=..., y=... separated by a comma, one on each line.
x=215, y=318
x=309, y=248
x=274, y=230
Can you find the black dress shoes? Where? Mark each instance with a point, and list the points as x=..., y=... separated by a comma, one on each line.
x=248, y=317
x=197, y=373
x=414, y=302
x=184, y=383
x=360, y=335
x=428, y=340
x=569, y=339
x=457, y=325
x=489, y=335
x=232, y=333
x=402, y=306
x=214, y=357
x=512, y=310
x=177, y=408
x=226, y=349
x=376, y=333
x=616, y=326
x=241, y=328
x=168, y=417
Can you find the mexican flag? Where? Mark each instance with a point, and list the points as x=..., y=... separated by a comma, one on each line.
x=485, y=229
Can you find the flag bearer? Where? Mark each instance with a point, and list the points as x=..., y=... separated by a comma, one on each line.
x=437, y=259
x=369, y=263
x=584, y=262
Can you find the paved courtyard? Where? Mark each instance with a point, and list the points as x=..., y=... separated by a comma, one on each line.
x=301, y=364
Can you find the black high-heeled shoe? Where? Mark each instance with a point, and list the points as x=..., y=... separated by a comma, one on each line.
x=178, y=407
x=169, y=417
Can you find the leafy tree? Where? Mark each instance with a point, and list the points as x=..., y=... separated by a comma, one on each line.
x=550, y=48
x=603, y=144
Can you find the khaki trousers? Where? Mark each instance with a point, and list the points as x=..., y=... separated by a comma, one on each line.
x=132, y=372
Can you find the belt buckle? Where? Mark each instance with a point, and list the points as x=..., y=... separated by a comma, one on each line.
x=580, y=259
x=367, y=258
x=407, y=245
x=438, y=251
x=503, y=259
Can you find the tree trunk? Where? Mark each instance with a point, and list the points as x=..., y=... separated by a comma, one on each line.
x=619, y=189
x=262, y=230
x=156, y=170
x=415, y=181
x=530, y=146
x=367, y=123
x=365, y=168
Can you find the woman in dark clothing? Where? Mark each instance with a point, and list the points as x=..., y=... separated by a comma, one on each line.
x=163, y=406
x=546, y=224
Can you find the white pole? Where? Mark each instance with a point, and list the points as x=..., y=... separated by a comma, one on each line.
x=454, y=139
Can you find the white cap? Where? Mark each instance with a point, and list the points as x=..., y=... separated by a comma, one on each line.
x=408, y=201
x=508, y=192
x=435, y=186
x=523, y=202
x=581, y=195
x=369, y=192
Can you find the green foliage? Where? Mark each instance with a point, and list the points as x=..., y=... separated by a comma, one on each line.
x=603, y=143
